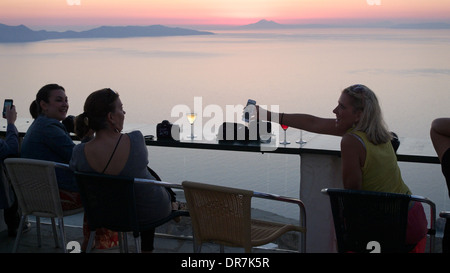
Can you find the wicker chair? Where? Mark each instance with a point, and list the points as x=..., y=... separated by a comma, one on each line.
x=223, y=215
x=36, y=188
x=361, y=217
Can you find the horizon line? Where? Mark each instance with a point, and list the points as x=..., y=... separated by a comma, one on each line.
x=317, y=22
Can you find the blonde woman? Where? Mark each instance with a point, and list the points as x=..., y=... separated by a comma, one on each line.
x=369, y=161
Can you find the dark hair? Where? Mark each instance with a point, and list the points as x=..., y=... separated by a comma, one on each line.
x=42, y=95
x=96, y=108
x=80, y=128
x=69, y=123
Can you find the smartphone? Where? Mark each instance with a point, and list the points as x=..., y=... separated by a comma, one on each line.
x=248, y=113
x=8, y=102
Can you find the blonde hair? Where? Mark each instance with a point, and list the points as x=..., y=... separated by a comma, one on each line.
x=371, y=122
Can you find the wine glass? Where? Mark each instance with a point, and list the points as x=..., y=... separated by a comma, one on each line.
x=191, y=118
x=284, y=128
x=301, y=141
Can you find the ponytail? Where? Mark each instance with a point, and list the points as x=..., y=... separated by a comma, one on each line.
x=81, y=125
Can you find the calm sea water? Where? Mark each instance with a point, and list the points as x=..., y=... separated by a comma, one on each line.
x=300, y=70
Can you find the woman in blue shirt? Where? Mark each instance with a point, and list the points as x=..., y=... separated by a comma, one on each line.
x=48, y=139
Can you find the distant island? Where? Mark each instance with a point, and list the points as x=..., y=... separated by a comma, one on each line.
x=267, y=24
x=21, y=33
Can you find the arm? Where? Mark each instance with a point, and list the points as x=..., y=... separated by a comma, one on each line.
x=352, y=154
x=440, y=135
x=10, y=146
x=304, y=122
x=59, y=142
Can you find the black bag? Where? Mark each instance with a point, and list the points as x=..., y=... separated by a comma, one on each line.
x=167, y=131
x=395, y=141
x=232, y=131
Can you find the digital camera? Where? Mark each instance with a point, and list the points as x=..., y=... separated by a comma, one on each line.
x=167, y=131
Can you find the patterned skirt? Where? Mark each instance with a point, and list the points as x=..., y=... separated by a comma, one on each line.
x=104, y=238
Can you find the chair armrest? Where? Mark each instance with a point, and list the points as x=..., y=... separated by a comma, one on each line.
x=444, y=214
x=296, y=201
x=62, y=166
x=159, y=183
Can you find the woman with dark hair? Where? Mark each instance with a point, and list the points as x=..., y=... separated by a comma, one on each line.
x=48, y=139
x=368, y=158
x=111, y=152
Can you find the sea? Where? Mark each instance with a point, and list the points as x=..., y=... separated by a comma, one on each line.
x=295, y=70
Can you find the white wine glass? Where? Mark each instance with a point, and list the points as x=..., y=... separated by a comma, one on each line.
x=191, y=118
x=285, y=142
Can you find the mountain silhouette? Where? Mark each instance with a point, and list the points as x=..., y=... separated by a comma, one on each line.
x=21, y=33
x=266, y=24
x=263, y=24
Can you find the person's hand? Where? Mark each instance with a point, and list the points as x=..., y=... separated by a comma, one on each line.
x=11, y=114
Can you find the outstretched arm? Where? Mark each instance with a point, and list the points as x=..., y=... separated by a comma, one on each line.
x=305, y=122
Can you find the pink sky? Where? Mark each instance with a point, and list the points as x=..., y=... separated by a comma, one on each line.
x=178, y=12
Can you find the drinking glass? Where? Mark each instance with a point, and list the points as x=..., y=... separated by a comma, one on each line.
x=191, y=118
x=301, y=141
x=285, y=141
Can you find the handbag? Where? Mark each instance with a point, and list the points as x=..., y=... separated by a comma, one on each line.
x=232, y=131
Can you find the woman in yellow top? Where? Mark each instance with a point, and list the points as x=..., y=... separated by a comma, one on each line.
x=368, y=158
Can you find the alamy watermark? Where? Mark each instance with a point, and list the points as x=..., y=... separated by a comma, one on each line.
x=373, y=2
x=73, y=2
x=210, y=117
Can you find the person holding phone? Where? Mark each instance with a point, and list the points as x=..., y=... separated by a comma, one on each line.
x=9, y=147
x=368, y=157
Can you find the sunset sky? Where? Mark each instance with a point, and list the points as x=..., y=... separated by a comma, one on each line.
x=197, y=12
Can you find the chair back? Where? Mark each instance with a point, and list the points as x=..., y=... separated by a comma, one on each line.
x=108, y=201
x=364, y=216
x=34, y=182
x=219, y=214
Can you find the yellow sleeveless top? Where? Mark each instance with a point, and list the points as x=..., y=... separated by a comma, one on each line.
x=380, y=171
